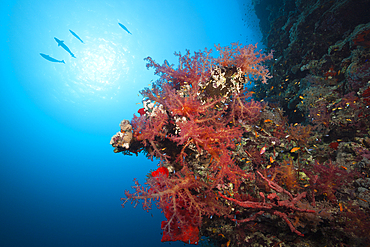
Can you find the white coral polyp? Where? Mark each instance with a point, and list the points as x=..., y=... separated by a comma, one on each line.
x=156, y=110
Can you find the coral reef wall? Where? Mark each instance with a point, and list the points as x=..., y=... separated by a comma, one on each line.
x=325, y=40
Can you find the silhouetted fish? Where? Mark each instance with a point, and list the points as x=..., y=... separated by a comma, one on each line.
x=74, y=34
x=61, y=43
x=47, y=57
x=124, y=28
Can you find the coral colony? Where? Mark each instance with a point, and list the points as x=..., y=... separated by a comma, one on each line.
x=233, y=169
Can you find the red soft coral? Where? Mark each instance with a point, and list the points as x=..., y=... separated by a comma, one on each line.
x=183, y=199
x=326, y=179
x=276, y=205
x=201, y=116
x=188, y=233
x=192, y=69
x=246, y=58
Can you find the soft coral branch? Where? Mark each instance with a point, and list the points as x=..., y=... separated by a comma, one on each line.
x=275, y=206
x=246, y=58
x=192, y=69
x=183, y=198
x=204, y=106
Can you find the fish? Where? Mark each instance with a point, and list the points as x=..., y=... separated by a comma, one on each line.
x=295, y=149
x=61, y=43
x=272, y=160
x=47, y=57
x=124, y=28
x=74, y=34
x=256, y=134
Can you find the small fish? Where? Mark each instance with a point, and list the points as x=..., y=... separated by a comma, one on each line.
x=47, y=57
x=74, y=34
x=295, y=149
x=61, y=43
x=228, y=243
x=361, y=199
x=271, y=159
x=268, y=121
x=263, y=150
x=124, y=28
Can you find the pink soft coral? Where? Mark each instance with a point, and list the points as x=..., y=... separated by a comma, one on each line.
x=246, y=58
x=180, y=198
x=195, y=132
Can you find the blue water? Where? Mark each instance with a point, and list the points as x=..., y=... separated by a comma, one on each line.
x=60, y=182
